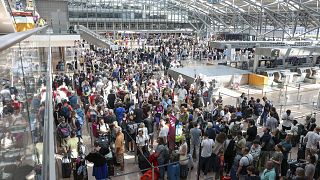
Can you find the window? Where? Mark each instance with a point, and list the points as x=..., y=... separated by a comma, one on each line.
x=91, y=15
x=163, y=26
x=138, y=15
x=100, y=25
x=92, y=25
x=109, y=26
x=117, y=15
x=82, y=15
x=118, y=26
x=148, y=26
x=83, y=24
x=125, y=25
x=140, y=25
x=133, y=26
x=73, y=15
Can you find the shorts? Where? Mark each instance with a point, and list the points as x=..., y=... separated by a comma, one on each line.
x=120, y=158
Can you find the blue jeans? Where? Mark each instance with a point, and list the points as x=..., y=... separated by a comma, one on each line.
x=161, y=170
x=264, y=117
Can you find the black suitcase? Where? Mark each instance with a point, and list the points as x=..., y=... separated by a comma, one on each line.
x=66, y=167
x=301, y=152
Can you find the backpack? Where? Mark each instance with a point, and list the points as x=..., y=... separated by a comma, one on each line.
x=270, y=145
x=258, y=109
x=166, y=154
x=268, y=105
x=64, y=132
x=235, y=128
x=215, y=115
x=65, y=111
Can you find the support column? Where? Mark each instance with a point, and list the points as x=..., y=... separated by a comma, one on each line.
x=314, y=60
x=256, y=60
x=285, y=57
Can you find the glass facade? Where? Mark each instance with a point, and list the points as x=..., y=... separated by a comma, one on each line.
x=120, y=15
x=23, y=77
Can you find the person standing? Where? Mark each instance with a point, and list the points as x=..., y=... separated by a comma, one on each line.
x=160, y=153
x=251, y=132
x=182, y=94
x=119, y=145
x=272, y=123
x=268, y=173
x=287, y=120
x=277, y=158
x=244, y=162
x=264, y=141
x=255, y=151
x=266, y=110
x=313, y=140
x=310, y=168
x=207, y=145
x=195, y=136
x=286, y=148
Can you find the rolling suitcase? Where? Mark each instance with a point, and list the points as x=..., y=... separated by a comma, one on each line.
x=174, y=172
x=226, y=177
x=111, y=170
x=184, y=170
x=301, y=152
x=66, y=167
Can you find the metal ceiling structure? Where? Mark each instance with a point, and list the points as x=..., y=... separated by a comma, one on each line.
x=284, y=19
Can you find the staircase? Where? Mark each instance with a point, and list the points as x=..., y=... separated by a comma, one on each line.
x=94, y=38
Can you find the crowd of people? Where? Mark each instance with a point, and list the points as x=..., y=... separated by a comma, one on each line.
x=129, y=105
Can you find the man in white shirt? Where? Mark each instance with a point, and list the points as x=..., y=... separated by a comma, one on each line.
x=182, y=93
x=141, y=139
x=313, y=140
x=164, y=130
x=287, y=120
x=272, y=123
x=207, y=145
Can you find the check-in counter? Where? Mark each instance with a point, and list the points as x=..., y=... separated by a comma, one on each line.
x=301, y=74
x=257, y=80
x=274, y=76
x=287, y=76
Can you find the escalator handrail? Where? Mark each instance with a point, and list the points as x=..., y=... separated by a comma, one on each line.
x=98, y=36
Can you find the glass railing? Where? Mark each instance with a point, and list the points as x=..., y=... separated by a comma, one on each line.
x=24, y=76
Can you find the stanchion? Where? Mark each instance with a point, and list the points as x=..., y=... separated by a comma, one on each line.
x=281, y=109
x=300, y=97
x=298, y=92
x=280, y=93
x=152, y=172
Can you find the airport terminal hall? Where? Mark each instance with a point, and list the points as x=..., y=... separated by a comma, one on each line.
x=159, y=90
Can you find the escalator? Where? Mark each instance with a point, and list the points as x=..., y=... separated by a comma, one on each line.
x=94, y=38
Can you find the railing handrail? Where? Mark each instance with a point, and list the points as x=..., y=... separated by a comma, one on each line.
x=6, y=41
x=87, y=30
x=163, y=165
x=48, y=167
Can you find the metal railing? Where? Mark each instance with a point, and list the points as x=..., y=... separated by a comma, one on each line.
x=49, y=168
